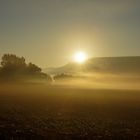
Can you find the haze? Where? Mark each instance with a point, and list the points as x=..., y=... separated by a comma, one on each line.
x=53, y=30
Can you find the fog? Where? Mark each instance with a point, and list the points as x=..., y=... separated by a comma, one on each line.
x=101, y=80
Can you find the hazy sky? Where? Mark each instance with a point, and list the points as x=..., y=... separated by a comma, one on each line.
x=48, y=32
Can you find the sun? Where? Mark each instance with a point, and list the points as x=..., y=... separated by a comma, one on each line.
x=80, y=57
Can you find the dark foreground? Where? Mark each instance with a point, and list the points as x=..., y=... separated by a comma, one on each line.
x=58, y=113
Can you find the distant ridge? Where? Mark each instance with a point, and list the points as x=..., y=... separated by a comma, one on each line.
x=115, y=65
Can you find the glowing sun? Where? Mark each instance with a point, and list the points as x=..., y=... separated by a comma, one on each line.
x=80, y=57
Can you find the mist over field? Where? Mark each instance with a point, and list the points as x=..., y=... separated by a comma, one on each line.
x=69, y=69
x=98, y=100
x=101, y=81
x=95, y=100
x=105, y=72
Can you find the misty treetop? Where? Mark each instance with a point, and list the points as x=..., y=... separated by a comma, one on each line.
x=13, y=66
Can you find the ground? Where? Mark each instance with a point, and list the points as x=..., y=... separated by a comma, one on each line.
x=68, y=113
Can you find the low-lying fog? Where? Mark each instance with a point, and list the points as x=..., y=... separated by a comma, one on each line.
x=107, y=81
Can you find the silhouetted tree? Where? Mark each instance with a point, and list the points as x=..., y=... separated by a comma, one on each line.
x=9, y=60
x=62, y=76
x=33, y=69
x=12, y=64
x=15, y=67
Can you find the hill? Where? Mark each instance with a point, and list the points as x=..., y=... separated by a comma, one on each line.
x=111, y=65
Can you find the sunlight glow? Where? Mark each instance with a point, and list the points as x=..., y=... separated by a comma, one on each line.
x=80, y=57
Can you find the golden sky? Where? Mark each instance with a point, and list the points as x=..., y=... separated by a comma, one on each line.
x=49, y=32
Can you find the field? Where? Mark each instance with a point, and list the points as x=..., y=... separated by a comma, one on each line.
x=68, y=113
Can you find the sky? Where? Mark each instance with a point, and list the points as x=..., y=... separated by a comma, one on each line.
x=49, y=32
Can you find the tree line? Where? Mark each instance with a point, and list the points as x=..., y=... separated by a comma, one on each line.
x=14, y=67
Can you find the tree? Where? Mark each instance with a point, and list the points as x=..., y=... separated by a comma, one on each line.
x=33, y=69
x=14, y=67
x=12, y=64
x=12, y=60
x=62, y=76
